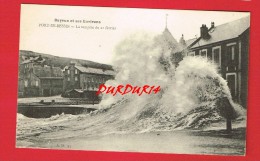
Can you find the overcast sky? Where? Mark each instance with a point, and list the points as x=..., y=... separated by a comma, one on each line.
x=97, y=45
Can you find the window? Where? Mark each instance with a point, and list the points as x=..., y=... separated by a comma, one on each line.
x=76, y=71
x=36, y=83
x=76, y=78
x=203, y=53
x=191, y=53
x=26, y=83
x=68, y=78
x=231, y=51
x=68, y=71
x=216, y=55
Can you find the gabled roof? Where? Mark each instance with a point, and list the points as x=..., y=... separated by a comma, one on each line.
x=168, y=42
x=225, y=31
x=95, y=70
x=176, y=47
x=169, y=38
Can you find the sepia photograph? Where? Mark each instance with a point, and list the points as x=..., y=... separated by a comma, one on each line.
x=133, y=80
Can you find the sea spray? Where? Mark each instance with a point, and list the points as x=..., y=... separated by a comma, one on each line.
x=186, y=99
x=196, y=81
x=137, y=60
x=194, y=84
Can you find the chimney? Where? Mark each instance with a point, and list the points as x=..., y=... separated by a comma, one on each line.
x=212, y=25
x=182, y=41
x=204, y=32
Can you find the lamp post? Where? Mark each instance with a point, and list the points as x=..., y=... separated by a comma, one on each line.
x=227, y=111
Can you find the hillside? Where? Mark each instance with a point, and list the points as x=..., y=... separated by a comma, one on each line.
x=61, y=61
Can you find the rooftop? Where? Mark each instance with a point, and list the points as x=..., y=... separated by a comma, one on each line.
x=169, y=42
x=94, y=70
x=225, y=31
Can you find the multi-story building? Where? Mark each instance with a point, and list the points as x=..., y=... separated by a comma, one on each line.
x=228, y=46
x=38, y=79
x=84, y=81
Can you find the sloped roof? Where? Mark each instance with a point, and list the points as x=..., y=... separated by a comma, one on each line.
x=225, y=31
x=94, y=70
x=169, y=38
x=187, y=44
x=47, y=72
x=190, y=41
x=167, y=41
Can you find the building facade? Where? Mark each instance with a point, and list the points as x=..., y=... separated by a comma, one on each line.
x=84, y=81
x=227, y=45
x=37, y=79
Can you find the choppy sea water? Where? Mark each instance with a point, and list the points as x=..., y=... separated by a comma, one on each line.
x=107, y=130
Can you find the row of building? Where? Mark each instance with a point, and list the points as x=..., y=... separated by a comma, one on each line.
x=227, y=45
x=38, y=79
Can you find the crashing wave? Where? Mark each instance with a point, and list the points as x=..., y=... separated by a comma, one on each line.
x=189, y=94
x=187, y=100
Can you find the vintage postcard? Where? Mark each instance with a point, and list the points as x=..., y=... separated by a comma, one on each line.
x=133, y=80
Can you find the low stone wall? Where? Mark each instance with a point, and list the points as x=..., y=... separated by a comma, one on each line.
x=45, y=111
